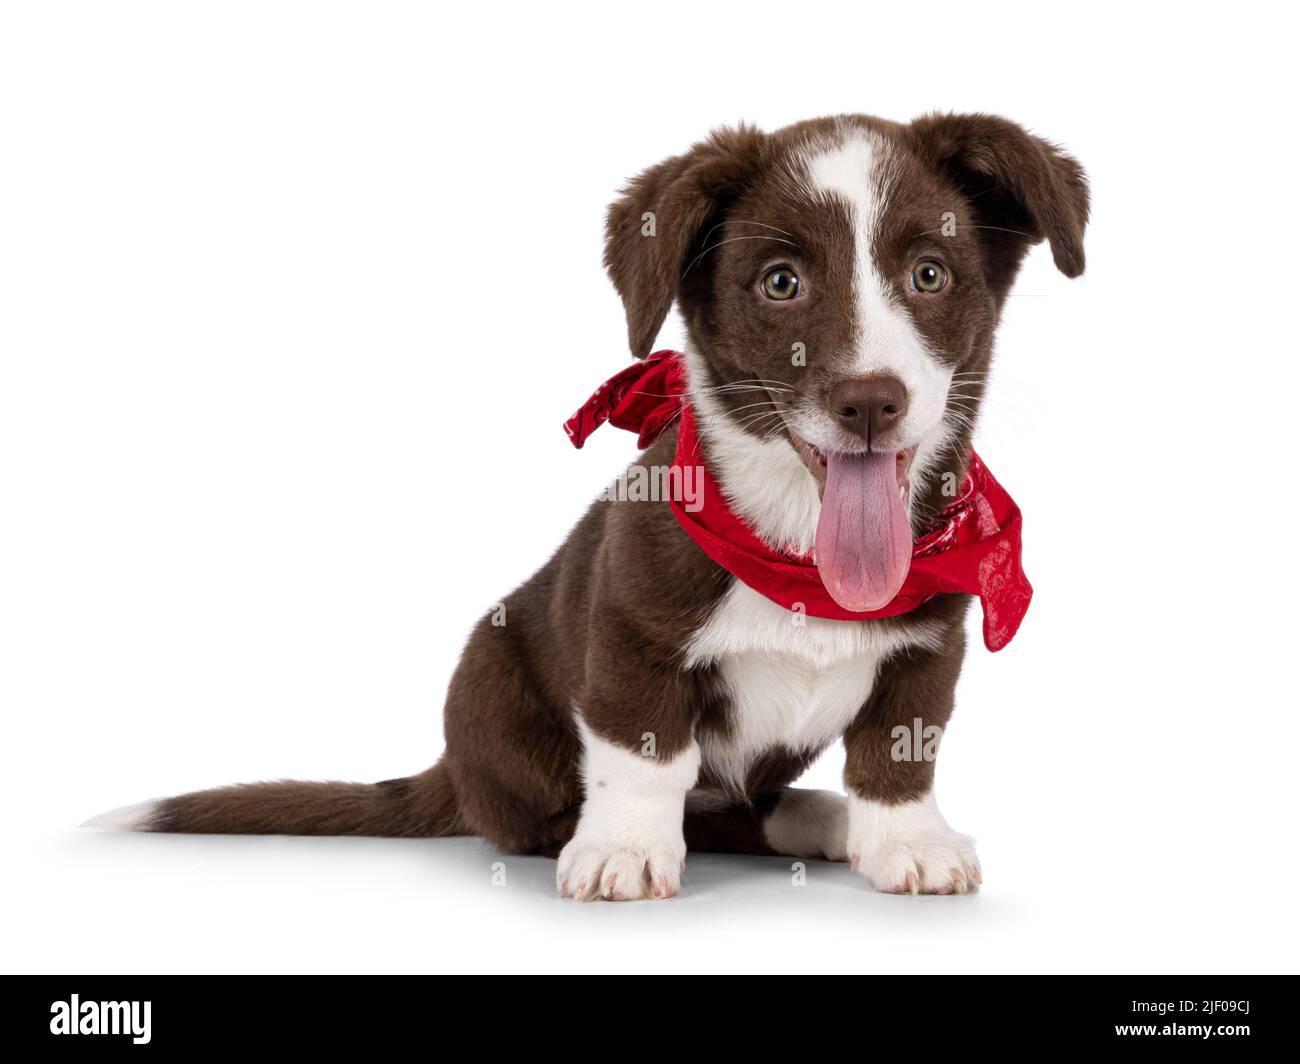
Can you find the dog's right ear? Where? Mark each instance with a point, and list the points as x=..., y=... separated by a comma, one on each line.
x=1020, y=187
x=652, y=229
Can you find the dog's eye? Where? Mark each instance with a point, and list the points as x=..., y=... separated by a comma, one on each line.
x=929, y=276
x=781, y=284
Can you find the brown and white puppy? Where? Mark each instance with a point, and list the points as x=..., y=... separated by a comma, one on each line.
x=640, y=701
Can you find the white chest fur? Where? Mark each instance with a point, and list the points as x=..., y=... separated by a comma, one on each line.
x=794, y=682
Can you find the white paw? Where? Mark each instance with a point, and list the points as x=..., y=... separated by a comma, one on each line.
x=910, y=849
x=942, y=864
x=629, y=841
x=618, y=870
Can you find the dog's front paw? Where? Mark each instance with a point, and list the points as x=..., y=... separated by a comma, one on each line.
x=909, y=848
x=619, y=870
x=939, y=864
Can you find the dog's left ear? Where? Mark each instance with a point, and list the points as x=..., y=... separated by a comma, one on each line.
x=652, y=229
x=1021, y=188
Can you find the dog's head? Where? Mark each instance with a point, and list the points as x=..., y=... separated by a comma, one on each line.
x=841, y=281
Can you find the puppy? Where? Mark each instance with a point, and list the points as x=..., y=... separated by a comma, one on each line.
x=661, y=681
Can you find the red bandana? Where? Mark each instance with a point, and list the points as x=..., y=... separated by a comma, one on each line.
x=973, y=547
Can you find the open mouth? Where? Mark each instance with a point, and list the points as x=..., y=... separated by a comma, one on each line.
x=864, y=538
x=815, y=460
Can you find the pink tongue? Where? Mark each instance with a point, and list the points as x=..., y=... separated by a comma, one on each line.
x=864, y=542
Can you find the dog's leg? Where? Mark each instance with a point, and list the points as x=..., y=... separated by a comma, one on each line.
x=897, y=837
x=629, y=842
x=791, y=822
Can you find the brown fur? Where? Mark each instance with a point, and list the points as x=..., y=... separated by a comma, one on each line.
x=603, y=624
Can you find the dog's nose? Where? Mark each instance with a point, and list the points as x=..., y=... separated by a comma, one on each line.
x=869, y=406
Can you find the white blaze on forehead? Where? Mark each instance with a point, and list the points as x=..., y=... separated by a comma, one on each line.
x=854, y=172
x=857, y=173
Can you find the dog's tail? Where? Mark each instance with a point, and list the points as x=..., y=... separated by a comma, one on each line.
x=417, y=806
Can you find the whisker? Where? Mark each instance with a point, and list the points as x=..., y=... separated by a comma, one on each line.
x=749, y=386
x=742, y=221
x=754, y=420
x=747, y=380
x=999, y=228
x=732, y=240
x=743, y=393
x=750, y=406
x=757, y=417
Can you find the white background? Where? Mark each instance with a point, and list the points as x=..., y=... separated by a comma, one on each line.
x=293, y=301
